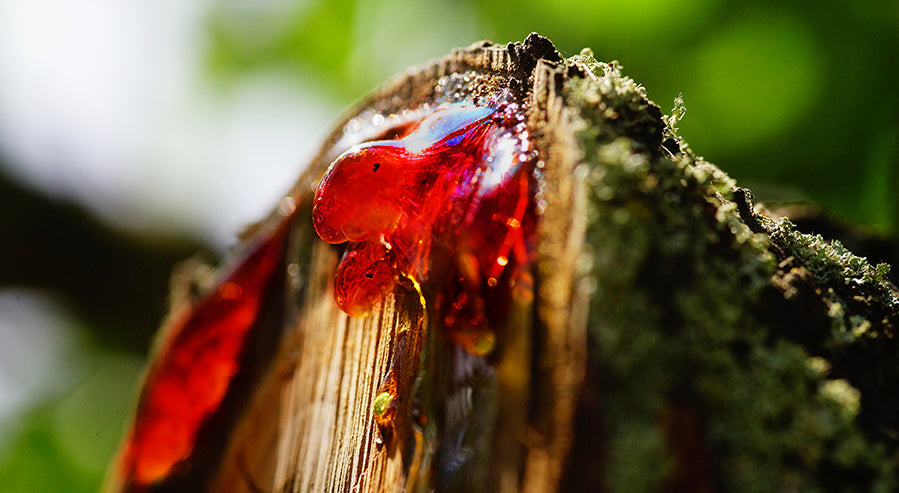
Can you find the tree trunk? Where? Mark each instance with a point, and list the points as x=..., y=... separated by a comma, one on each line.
x=676, y=339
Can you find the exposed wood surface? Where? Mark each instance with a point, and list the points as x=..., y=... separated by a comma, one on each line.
x=329, y=437
x=335, y=353
x=332, y=366
x=312, y=428
x=561, y=293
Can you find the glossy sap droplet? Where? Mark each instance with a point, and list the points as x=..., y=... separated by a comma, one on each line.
x=188, y=381
x=365, y=276
x=447, y=202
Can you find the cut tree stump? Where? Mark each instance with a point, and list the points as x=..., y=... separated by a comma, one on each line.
x=678, y=338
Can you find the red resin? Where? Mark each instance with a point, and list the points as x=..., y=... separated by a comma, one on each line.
x=191, y=375
x=448, y=205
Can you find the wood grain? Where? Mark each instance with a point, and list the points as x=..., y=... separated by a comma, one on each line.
x=331, y=366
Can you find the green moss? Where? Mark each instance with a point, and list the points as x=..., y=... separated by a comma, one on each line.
x=833, y=265
x=680, y=316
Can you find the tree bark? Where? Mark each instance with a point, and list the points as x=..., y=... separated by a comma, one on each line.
x=678, y=339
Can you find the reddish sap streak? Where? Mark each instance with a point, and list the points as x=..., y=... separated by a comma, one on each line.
x=448, y=202
x=190, y=377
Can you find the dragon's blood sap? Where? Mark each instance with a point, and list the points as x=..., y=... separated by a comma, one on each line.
x=434, y=203
x=187, y=383
x=446, y=203
x=365, y=276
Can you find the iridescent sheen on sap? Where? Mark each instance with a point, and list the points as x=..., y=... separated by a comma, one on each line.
x=446, y=203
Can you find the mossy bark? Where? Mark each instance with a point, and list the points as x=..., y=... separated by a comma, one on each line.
x=679, y=339
x=727, y=351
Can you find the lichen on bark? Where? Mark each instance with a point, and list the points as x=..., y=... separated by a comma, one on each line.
x=726, y=352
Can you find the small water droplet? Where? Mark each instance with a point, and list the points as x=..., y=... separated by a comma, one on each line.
x=287, y=206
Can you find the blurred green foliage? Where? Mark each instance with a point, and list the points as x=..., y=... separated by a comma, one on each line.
x=796, y=100
x=65, y=443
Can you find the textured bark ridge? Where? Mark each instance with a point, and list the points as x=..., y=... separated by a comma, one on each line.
x=678, y=339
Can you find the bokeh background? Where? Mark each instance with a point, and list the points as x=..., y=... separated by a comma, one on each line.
x=135, y=134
